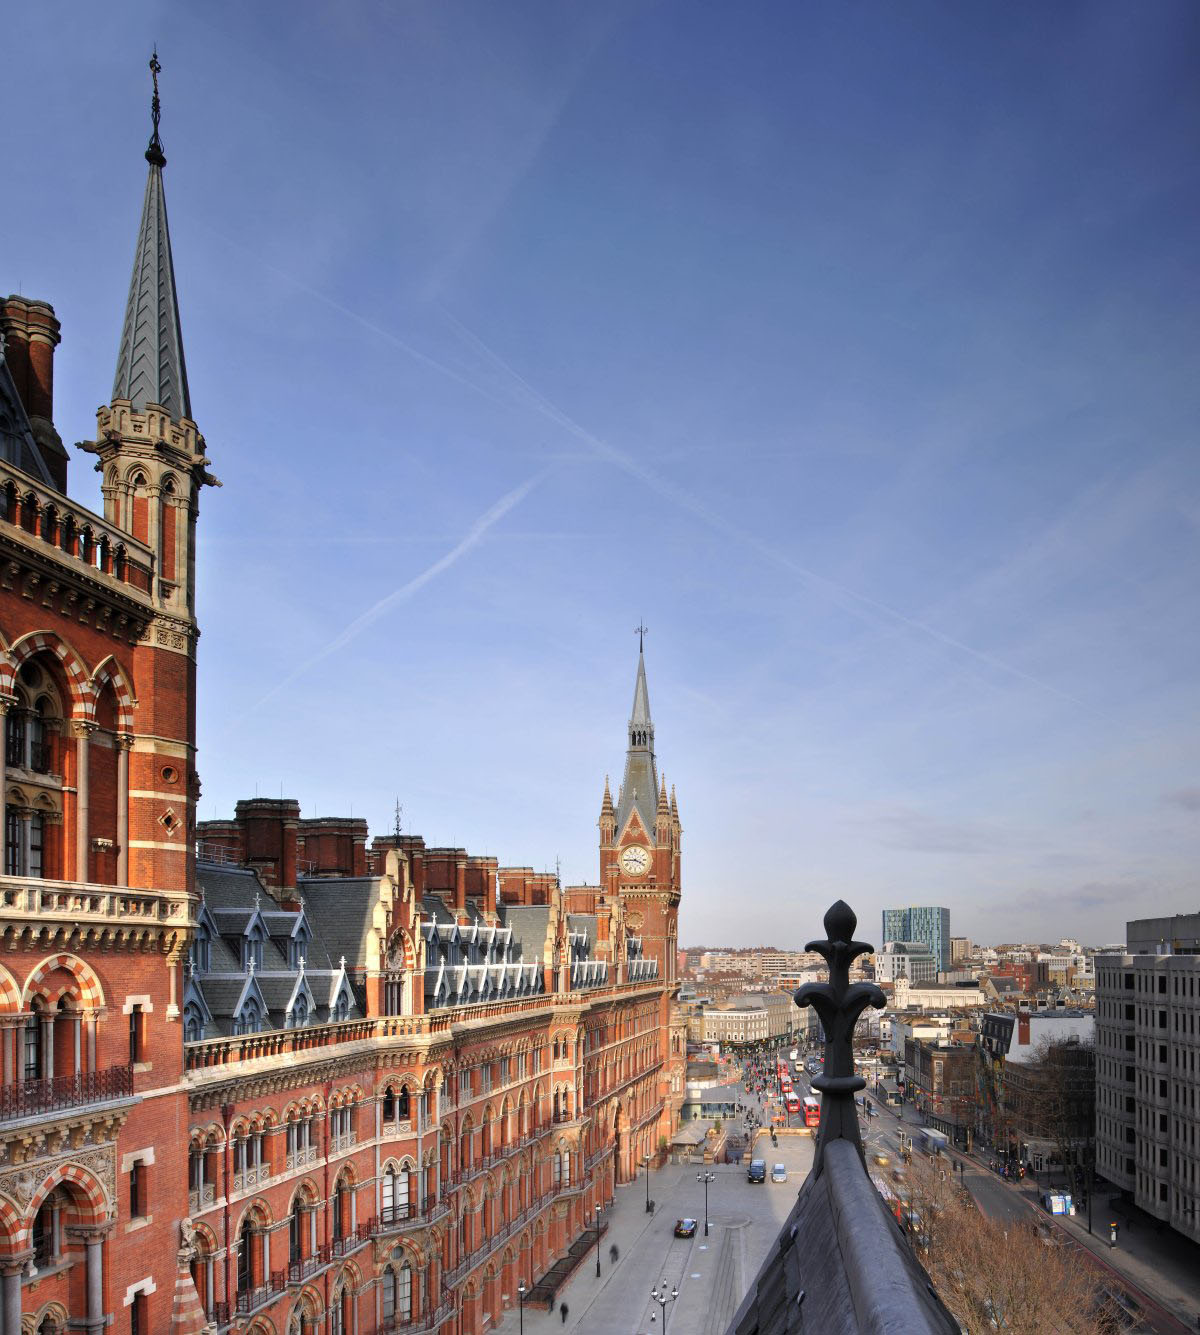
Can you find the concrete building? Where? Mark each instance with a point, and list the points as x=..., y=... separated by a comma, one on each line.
x=960, y=949
x=754, y=1018
x=1147, y=1016
x=924, y=923
x=912, y=961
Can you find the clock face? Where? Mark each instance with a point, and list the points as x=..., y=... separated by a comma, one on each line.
x=634, y=860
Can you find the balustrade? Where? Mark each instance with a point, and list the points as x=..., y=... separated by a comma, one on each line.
x=39, y=1097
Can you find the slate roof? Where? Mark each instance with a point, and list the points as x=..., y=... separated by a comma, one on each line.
x=233, y=899
x=845, y=1253
x=340, y=913
x=529, y=924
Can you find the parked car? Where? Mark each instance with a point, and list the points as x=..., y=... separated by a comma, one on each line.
x=779, y=1173
x=757, y=1172
x=685, y=1228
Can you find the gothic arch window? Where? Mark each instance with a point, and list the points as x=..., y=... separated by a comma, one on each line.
x=249, y=1019
x=398, y=1293
x=202, y=949
x=299, y=1016
x=193, y=1023
x=341, y=1007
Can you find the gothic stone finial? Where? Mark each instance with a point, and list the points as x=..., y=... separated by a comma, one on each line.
x=838, y=1004
x=154, y=153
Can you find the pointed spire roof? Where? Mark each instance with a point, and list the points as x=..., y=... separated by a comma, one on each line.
x=639, y=786
x=606, y=805
x=641, y=696
x=150, y=365
x=663, y=810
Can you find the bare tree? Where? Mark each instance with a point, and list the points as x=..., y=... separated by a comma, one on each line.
x=991, y=1277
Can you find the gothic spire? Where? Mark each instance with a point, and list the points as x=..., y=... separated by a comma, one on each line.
x=639, y=786
x=150, y=365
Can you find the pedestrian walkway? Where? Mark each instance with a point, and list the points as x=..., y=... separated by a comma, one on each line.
x=628, y=1221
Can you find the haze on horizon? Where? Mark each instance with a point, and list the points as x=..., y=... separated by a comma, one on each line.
x=853, y=348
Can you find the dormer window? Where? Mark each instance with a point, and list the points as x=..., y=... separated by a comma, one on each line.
x=341, y=1007
x=299, y=1015
x=252, y=949
x=249, y=1019
x=193, y=1023
x=202, y=950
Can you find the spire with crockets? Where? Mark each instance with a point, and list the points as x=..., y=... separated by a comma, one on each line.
x=639, y=787
x=150, y=365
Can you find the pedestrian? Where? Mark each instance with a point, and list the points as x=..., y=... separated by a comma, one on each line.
x=562, y=1311
x=613, y=1253
x=550, y=1304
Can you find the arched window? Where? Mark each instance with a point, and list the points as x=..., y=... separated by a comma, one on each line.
x=397, y=1293
x=296, y=1231
x=46, y=1234
x=402, y=1105
x=249, y=1019
x=202, y=949
x=299, y=1016
x=389, y=1104
x=245, y=1268
x=341, y=1007
x=193, y=1023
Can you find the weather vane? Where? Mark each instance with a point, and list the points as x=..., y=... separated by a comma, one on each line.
x=641, y=631
x=155, y=152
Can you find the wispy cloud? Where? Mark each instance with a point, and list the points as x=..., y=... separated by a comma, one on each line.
x=1186, y=799
x=851, y=600
x=473, y=537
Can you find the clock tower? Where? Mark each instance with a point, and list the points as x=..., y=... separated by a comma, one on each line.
x=639, y=842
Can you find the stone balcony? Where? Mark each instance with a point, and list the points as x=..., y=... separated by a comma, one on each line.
x=37, y=912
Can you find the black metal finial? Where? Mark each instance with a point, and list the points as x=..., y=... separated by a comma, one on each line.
x=155, y=154
x=640, y=631
x=838, y=1004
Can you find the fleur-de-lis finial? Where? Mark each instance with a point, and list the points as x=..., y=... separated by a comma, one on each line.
x=838, y=1004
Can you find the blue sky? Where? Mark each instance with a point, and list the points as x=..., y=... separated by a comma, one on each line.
x=852, y=346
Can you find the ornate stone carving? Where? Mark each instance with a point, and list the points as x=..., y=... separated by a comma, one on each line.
x=21, y=1184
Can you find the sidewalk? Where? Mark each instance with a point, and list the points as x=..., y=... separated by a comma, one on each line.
x=628, y=1221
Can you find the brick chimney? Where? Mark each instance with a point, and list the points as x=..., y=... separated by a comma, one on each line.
x=31, y=333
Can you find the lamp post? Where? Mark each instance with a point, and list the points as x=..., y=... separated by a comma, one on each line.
x=597, y=1241
x=646, y=1163
x=662, y=1299
x=522, y=1290
x=706, y=1178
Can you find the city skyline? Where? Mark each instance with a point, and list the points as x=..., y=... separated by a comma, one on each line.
x=797, y=336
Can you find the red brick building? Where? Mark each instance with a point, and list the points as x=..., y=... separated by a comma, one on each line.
x=317, y=1083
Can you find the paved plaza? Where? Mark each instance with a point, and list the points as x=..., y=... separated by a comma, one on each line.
x=711, y=1273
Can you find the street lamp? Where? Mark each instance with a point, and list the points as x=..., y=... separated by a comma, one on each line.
x=597, y=1241
x=706, y=1178
x=522, y=1290
x=646, y=1162
x=662, y=1299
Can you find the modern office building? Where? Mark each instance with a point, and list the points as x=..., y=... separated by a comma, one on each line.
x=911, y=960
x=1147, y=1124
x=920, y=923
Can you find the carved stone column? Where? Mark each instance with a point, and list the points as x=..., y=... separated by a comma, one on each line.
x=82, y=732
x=11, y=1269
x=124, y=746
x=93, y=1236
x=4, y=704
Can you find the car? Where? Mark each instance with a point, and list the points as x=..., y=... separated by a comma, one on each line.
x=757, y=1172
x=685, y=1228
x=779, y=1173
x=881, y=1159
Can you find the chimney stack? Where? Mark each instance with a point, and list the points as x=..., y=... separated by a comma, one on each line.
x=31, y=333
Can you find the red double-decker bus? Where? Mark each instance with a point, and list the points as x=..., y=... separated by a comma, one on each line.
x=812, y=1111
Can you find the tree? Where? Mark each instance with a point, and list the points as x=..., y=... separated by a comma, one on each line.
x=1053, y=1098
x=1016, y=1279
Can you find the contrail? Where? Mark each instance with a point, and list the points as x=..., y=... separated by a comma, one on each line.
x=849, y=599
x=473, y=538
